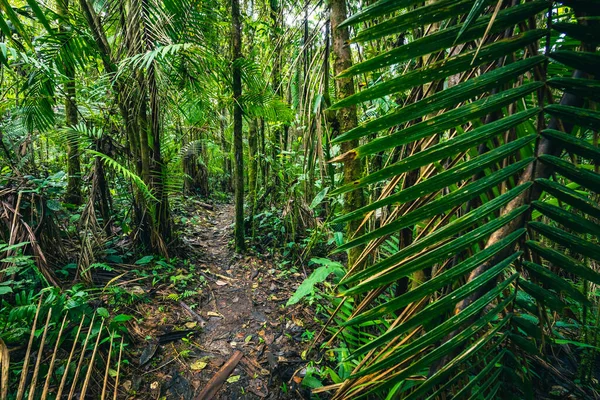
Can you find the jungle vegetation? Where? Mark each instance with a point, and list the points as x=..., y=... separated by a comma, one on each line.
x=430, y=167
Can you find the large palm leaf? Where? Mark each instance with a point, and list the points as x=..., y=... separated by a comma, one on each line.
x=501, y=218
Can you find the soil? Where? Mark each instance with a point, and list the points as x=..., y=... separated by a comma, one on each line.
x=240, y=305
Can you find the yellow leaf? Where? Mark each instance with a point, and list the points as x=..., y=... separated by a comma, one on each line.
x=233, y=378
x=198, y=365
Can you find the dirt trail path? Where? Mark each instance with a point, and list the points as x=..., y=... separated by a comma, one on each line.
x=242, y=304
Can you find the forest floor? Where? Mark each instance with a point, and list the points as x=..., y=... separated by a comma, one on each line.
x=183, y=341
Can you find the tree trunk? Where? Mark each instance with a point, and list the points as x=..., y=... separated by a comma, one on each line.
x=252, y=172
x=73, y=194
x=238, y=149
x=276, y=84
x=346, y=118
x=226, y=148
x=162, y=216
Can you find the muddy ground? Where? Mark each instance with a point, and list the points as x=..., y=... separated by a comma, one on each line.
x=181, y=342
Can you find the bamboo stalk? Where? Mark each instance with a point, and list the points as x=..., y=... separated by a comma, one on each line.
x=21, y=388
x=91, y=363
x=4, y=378
x=64, y=377
x=81, y=357
x=107, y=367
x=36, y=369
x=118, y=370
x=51, y=367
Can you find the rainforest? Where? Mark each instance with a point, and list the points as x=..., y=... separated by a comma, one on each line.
x=322, y=199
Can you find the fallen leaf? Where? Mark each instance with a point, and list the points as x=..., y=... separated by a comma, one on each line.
x=198, y=365
x=191, y=325
x=148, y=353
x=233, y=378
x=221, y=283
x=214, y=314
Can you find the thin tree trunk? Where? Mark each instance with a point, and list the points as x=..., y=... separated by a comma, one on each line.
x=226, y=148
x=73, y=194
x=238, y=149
x=346, y=118
x=252, y=171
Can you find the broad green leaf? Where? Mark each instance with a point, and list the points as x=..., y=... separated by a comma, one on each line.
x=446, y=38
x=567, y=219
x=457, y=117
x=475, y=216
x=437, y=182
x=39, y=14
x=443, y=68
x=439, y=281
x=570, y=241
x=437, y=254
x=377, y=9
x=564, y=262
x=439, y=205
x=555, y=282
x=542, y=295
x=573, y=144
x=435, y=309
x=581, y=87
x=468, y=354
x=579, y=116
x=446, y=99
x=438, y=11
x=570, y=197
x=583, y=61
x=307, y=286
x=588, y=179
x=476, y=380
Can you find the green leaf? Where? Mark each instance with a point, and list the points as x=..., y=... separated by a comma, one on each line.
x=435, y=238
x=588, y=179
x=555, y=282
x=144, y=260
x=103, y=312
x=41, y=17
x=439, y=205
x=307, y=286
x=377, y=9
x=572, y=242
x=319, y=198
x=558, y=259
x=443, y=68
x=445, y=99
x=580, y=87
x=579, y=116
x=440, y=10
x=573, y=144
x=542, y=295
x=583, y=61
x=570, y=197
x=458, y=117
x=433, y=310
x=446, y=38
x=567, y=219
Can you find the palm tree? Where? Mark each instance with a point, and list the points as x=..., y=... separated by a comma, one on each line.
x=504, y=212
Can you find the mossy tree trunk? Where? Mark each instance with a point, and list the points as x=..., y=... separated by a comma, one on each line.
x=73, y=194
x=238, y=146
x=252, y=172
x=346, y=118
